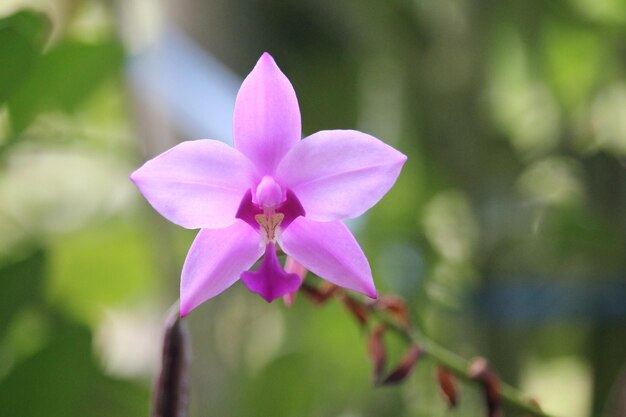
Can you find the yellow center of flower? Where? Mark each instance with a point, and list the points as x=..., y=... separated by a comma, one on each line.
x=269, y=222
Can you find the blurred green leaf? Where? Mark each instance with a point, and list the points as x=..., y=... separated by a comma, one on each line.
x=101, y=266
x=21, y=283
x=284, y=399
x=21, y=40
x=63, y=380
x=576, y=61
x=325, y=373
x=593, y=13
x=63, y=78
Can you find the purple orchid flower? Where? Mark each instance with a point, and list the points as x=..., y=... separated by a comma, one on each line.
x=272, y=189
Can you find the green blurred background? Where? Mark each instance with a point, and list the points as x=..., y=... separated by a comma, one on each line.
x=506, y=231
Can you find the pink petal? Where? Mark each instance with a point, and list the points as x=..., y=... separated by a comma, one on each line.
x=329, y=250
x=293, y=266
x=266, y=121
x=216, y=259
x=196, y=184
x=339, y=174
x=270, y=281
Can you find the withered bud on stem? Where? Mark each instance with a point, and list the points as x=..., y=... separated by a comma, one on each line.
x=405, y=366
x=447, y=384
x=358, y=310
x=319, y=295
x=376, y=351
x=480, y=370
x=395, y=306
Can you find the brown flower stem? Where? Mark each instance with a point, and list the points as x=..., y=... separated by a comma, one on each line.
x=171, y=388
x=442, y=356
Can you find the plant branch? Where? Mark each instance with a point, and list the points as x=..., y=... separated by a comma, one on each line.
x=397, y=321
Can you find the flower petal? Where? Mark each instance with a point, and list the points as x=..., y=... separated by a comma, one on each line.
x=266, y=121
x=329, y=250
x=294, y=267
x=339, y=174
x=196, y=184
x=216, y=259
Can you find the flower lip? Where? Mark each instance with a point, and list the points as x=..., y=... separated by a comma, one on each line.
x=270, y=280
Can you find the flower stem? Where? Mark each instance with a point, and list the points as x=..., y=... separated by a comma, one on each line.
x=170, y=394
x=445, y=358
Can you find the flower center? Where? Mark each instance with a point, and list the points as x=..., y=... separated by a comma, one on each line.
x=274, y=209
x=269, y=196
x=269, y=222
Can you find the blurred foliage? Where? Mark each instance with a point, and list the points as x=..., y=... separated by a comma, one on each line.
x=505, y=232
x=47, y=362
x=21, y=42
x=22, y=284
x=54, y=83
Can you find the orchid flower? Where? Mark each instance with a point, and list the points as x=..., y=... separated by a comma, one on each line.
x=271, y=190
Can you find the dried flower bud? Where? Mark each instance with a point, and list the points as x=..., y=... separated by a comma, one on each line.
x=479, y=369
x=447, y=383
x=377, y=353
x=396, y=306
x=358, y=310
x=405, y=366
x=321, y=294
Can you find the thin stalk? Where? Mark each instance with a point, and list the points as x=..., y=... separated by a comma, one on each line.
x=442, y=356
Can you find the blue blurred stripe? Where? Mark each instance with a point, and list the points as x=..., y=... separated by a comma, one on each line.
x=534, y=302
